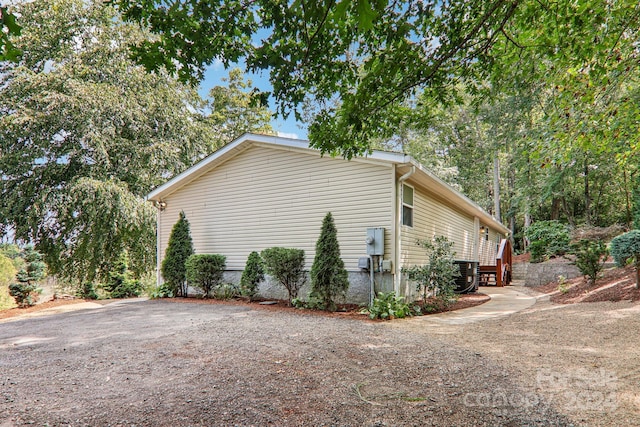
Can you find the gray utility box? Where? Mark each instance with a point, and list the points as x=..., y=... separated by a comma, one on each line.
x=375, y=241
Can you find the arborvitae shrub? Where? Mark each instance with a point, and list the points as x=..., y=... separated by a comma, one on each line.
x=121, y=284
x=252, y=275
x=26, y=291
x=179, y=248
x=205, y=271
x=286, y=265
x=329, y=278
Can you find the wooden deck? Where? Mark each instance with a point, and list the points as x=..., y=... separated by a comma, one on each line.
x=499, y=274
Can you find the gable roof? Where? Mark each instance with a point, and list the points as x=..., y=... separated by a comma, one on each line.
x=403, y=162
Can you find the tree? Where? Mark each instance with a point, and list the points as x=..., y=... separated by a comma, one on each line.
x=205, y=271
x=329, y=278
x=120, y=283
x=286, y=265
x=8, y=28
x=370, y=56
x=86, y=133
x=626, y=247
x=252, y=275
x=26, y=291
x=436, y=278
x=235, y=110
x=179, y=249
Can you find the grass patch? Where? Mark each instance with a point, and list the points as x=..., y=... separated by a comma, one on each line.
x=6, y=300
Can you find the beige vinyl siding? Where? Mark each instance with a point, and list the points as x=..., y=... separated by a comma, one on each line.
x=488, y=249
x=268, y=197
x=433, y=216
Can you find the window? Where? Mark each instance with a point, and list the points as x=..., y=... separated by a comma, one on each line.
x=407, y=205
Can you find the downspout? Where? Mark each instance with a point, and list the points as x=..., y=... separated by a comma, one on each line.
x=158, y=228
x=403, y=178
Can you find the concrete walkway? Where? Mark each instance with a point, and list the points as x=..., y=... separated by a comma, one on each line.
x=504, y=301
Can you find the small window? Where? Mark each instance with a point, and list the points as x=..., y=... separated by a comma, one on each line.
x=407, y=205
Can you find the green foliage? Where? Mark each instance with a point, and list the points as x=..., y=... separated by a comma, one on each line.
x=286, y=265
x=590, y=257
x=86, y=133
x=179, y=249
x=395, y=50
x=162, y=291
x=626, y=248
x=8, y=29
x=387, y=306
x=437, y=278
x=548, y=238
x=329, y=278
x=87, y=291
x=26, y=291
x=205, y=271
x=7, y=274
x=121, y=284
x=636, y=202
x=226, y=291
x=252, y=275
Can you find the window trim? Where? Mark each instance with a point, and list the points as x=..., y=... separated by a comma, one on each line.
x=407, y=205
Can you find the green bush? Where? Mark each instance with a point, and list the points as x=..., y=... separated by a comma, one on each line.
x=388, y=306
x=205, y=271
x=179, y=248
x=226, y=291
x=87, y=291
x=252, y=275
x=329, y=278
x=437, y=278
x=26, y=291
x=548, y=238
x=590, y=258
x=162, y=291
x=286, y=265
x=626, y=248
x=121, y=284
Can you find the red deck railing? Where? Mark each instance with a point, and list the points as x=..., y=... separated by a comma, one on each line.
x=503, y=263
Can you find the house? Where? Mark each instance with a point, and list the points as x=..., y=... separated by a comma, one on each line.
x=262, y=191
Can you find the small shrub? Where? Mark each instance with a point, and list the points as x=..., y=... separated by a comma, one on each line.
x=252, y=275
x=162, y=291
x=562, y=284
x=179, y=248
x=25, y=294
x=286, y=265
x=590, y=258
x=121, y=284
x=205, y=271
x=87, y=291
x=388, y=306
x=26, y=291
x=226, y=291
x=626, y=248
x=329, y=278
x=437, y=278
x=550, y=238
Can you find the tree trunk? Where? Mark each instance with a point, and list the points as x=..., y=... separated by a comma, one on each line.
x=556, y=203
x=587, y=195
x=496, y=187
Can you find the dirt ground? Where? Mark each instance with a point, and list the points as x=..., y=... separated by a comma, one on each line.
x=161, y=363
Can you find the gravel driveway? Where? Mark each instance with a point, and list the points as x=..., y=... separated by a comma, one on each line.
x=185, y=364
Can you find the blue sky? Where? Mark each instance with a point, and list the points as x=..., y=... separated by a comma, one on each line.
x=286, y=128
